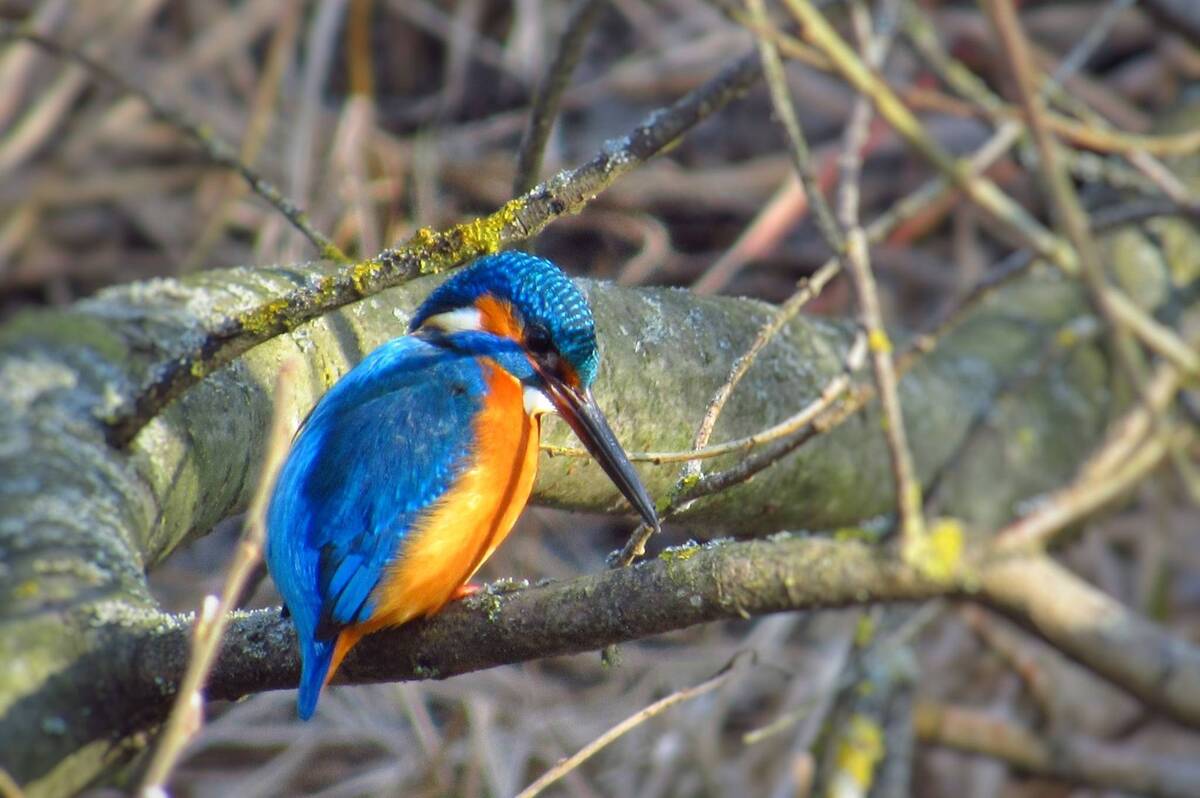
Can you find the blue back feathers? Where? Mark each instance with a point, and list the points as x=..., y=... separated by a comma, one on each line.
x=378, y=450
x=390, y=438
x=538, y=291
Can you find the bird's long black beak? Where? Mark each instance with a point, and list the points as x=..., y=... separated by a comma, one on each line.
x=578, y=408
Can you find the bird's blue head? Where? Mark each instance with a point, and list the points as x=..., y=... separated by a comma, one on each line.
x=526, y=299
x=526, y=314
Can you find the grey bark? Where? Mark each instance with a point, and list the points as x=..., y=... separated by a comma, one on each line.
x=81, y=522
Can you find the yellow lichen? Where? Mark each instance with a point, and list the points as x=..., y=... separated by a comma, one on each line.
x=26, y=590
x=424, y=237
x=938, y=553
x=325, y=290
x=484, y=235
x=859, y=751
x=362, y=274
x=878, y=341
x=864, y=630
x=689, y=480
x=679, y=553
x=264, y=318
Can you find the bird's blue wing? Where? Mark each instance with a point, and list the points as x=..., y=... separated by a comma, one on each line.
x=379, y=448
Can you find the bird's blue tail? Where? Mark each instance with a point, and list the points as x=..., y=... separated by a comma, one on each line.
x=314, y=665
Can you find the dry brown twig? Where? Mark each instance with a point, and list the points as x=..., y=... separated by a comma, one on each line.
x=568, y=764
x=847, y=238
x=580, y=22
x=981, y=191
x=1069, y=757
x=187, y=715
x=213, y=147
x=1071, y=216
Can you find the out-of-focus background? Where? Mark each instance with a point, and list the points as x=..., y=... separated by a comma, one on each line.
x=379, y=117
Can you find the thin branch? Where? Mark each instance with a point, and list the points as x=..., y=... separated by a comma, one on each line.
x=429, y=251
x=549, y=95
x=981, y=191
x=788, y=435
x=214, y=148
x=908, y=489
x=684, y=587
x=847, y=238
x=1019, y=263
x=1069, y=757
x=824, y=413
x=789, y=425
x=215, y=613
x=1088, y=494
x=568, y=764
x=1152, y=664
x=785, y=115
x=1068, y=209
x=681, y=588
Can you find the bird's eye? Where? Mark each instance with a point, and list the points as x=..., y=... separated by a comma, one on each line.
x=537, y=339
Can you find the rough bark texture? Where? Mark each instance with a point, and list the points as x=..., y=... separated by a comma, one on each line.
x=90, y=660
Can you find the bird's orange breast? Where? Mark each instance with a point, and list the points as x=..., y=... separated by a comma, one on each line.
x=470, y=520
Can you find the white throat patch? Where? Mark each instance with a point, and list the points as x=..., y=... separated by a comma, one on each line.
x=536, y=403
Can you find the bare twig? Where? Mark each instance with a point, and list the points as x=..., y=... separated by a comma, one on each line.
x=1058, y=185
x=981, y=191
x=214, y=148
x=789, y=425
x=1019, y=263
x=1069, y=757
x=278, y=55
x=846, y=237
x=788, y=435
x=187, y=716
x=429, y=251
x=657, y=708
x=908, y=489
x=1087, y=495
x=545, y=105
x=786, y=116
x=1128, y=453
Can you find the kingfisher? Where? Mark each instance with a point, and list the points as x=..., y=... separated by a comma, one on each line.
x=413, y=468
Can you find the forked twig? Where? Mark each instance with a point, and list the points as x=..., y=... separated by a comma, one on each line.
x=213, y=147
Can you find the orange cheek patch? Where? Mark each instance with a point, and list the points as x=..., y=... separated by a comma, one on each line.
x=497, y=317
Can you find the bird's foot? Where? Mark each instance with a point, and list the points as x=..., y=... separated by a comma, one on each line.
x=464, y=590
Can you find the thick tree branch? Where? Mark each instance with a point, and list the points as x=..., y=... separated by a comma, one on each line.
x=128, y=682
x=83, y=521
x=166, y=376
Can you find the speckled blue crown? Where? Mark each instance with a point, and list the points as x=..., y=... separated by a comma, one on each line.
x=538, y=290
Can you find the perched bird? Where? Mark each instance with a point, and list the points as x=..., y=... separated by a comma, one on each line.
x=413, y=468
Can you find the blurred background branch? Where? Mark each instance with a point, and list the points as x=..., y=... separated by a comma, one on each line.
x=1054, y=465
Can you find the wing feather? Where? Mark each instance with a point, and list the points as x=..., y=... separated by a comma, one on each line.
x=377, y=451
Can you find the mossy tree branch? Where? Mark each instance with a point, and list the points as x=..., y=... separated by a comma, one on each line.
x=83, y=520
x=90, y=661
x=172, y=371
